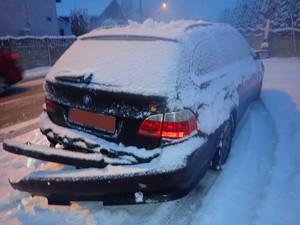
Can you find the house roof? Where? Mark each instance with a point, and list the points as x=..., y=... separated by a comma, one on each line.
x=63, y=20
x=113, y=11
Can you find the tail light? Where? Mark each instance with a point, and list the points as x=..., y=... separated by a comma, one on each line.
x=179, y=124
x=152, y=126
x=50, y=105
x=14, y=56
x=175, y=125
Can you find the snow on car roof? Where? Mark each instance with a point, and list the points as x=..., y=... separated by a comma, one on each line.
x=155, y=59
x=147, y=64
x=150, y=28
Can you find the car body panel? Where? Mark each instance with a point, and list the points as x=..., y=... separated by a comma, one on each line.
x=157, y=183
x=204, y=68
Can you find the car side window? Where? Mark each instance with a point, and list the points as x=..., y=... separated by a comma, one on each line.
x=204, y=57
x=232, y=48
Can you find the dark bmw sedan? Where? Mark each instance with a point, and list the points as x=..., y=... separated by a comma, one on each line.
x=141, y=112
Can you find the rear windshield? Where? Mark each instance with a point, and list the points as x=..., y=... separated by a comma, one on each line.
x=135, y=66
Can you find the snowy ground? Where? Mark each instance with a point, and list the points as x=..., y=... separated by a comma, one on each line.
x=259, y=185
x=36, y=72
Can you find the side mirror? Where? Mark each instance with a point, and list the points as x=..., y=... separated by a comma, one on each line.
x=262, y=54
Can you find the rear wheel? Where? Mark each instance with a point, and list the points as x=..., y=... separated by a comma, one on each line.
x=3, y=84
x=224, y=145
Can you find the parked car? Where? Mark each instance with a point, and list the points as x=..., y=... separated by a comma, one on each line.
x=10, y=71
x=142, y=111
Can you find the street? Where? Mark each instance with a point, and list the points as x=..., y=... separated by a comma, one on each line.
x=21, y=104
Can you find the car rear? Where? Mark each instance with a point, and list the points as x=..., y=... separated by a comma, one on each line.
x=118, y=89
x=117, y=100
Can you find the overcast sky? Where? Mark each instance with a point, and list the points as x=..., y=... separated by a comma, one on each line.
x=177, y=9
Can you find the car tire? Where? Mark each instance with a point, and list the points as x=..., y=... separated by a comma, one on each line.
x=4, y=84
x=224, y=145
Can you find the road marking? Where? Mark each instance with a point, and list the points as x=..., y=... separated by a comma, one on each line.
x=30, y=83
x=17, y=100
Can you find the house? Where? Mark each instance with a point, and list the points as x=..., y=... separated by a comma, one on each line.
x=28, y=17
x=64, y=26
x=112, y=15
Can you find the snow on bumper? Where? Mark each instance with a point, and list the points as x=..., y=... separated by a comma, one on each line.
x=170, y=176
x=112, y=153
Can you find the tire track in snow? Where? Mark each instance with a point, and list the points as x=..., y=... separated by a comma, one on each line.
x=240, y=188
x=183, y=208
x=281, y=204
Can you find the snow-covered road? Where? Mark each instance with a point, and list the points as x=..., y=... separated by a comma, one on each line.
x=260, y=183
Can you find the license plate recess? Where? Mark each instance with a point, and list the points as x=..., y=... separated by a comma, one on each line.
x=102, y=122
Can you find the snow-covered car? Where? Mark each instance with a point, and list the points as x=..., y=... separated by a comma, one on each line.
x=142, y=111
x=10, y=71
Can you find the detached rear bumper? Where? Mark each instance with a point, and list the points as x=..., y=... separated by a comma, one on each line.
x=149, y=186
x=162, y=179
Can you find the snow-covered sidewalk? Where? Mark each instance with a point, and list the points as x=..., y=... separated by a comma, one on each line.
x=259, y=185
x=34, y=73
x=283, y=74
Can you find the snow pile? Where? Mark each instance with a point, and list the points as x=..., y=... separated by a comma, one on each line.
x=149, y=23
x=36, y=72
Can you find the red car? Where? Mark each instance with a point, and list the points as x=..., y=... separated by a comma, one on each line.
x=10, y=72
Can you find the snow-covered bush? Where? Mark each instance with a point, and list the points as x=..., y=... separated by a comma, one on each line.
x=253, y=14
x=79, y=21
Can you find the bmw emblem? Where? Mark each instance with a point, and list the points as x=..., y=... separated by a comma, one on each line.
x=87, y=99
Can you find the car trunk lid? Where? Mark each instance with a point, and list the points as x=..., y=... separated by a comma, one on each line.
x=114, y=116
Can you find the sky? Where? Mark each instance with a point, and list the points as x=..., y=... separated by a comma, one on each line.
x=176, y=9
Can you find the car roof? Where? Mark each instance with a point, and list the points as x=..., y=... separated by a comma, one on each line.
x=171, y=31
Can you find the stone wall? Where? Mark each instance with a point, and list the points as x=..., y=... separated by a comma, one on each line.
x=281, y=43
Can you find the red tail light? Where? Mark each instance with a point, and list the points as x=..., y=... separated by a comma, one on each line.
x=50, y=105
x=175, y=125
x=14, y=56
x=152, y=126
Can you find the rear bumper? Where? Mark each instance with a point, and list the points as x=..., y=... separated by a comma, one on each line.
x=160, y=180
x=169, y=176
x=142, y=187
